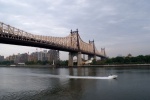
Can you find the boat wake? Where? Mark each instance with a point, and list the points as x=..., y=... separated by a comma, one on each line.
x=74, y=77
x=91, y=77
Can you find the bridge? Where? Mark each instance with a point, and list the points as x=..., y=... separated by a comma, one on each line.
x=71, y=43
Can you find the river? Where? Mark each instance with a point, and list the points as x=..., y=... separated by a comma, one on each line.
x=51, y=84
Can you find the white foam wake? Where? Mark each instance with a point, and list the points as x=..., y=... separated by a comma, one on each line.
x=72, y=77
x=62, y=76
x=87, y=77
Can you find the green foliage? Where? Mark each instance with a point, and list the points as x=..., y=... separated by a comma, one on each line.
x=129, y=60
x=94, y=61
x=38, y=62
x=63, y=63
x=30, y=63
x=124, y=60
x=6, y=62
x=100, y=62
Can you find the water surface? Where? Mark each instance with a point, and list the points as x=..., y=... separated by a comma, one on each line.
x=37, y=84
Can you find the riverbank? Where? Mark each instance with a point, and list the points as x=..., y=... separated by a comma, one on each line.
x=30, y=66
x=52, y=66
x=118, y=65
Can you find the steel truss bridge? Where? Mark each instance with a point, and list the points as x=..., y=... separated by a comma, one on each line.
x=71, y=43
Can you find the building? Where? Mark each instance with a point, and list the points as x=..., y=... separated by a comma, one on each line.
x=33, y=57
x=11, y=58
x=45, y=57
x=17, y=58
x=23, y=58
x=53, y=55
x=42, y=55
x=1, y=58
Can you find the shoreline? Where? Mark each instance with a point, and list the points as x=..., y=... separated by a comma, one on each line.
x=119, y=65
x=53, y=66
x=30, y=66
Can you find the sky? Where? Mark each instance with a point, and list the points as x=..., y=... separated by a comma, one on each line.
x=119, y=26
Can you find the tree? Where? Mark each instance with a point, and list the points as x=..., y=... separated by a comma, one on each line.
x=94, y=61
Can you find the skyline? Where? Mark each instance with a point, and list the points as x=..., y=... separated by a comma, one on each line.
x=121, y=27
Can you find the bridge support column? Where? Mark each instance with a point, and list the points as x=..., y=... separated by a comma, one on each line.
x=70, y=61
x=79, y=59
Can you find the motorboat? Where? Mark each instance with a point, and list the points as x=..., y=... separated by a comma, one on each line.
x=112, y=76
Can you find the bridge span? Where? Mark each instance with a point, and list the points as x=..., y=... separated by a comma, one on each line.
x=71, y=43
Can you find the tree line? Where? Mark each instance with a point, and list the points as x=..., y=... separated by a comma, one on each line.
x=127, y=60
x=115, y=60
x=61, y=62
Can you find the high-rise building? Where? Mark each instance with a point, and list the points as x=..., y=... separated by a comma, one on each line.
x=12, y=58
x=33, y=57
x=45, y=58
x=17, y=58
x=1, y=58
x=40, y=56
x=23, y=58
x=53, y=55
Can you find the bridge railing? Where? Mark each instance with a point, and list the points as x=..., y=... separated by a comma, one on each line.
x=14, y=31
x=63, y=41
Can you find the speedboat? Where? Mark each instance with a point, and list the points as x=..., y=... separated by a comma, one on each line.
x=112, y=76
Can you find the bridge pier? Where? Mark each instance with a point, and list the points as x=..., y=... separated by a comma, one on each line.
x=70, y=61
x=79, y=59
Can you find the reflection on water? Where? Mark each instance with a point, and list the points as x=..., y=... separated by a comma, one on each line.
x=35, y=84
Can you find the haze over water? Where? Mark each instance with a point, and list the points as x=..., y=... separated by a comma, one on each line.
x=37, y=84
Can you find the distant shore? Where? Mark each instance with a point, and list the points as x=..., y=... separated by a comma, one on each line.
x=119, y=65
x=51, y=66
x=31, y=66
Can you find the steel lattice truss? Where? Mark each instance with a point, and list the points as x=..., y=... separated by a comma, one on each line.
x=72, y=42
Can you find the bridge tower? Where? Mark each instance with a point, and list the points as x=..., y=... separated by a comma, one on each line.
x=78, y=54
x=94, y=55
x=104, y=53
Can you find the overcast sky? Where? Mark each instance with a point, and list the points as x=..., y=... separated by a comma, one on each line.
x=121, y=26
